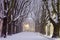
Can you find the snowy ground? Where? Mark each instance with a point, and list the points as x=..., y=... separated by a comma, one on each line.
x=26, y=36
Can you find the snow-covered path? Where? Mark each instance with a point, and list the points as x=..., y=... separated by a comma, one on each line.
x=26, y=36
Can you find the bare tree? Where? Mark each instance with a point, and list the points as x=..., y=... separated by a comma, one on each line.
x=56, y=9
x=15, y=11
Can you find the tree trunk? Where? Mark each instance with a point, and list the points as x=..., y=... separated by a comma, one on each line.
x=56, y=28
x=4, y=27
x=9, y=25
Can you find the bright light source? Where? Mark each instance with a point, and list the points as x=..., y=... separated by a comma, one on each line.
x=26, y=26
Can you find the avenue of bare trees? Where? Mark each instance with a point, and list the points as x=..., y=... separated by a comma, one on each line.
x=14, y=12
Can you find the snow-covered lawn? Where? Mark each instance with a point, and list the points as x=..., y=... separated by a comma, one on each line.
x=26, y=36
x=57, y=38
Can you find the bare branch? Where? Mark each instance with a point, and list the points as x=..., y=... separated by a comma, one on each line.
x=53, y=7
x=22, y=8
